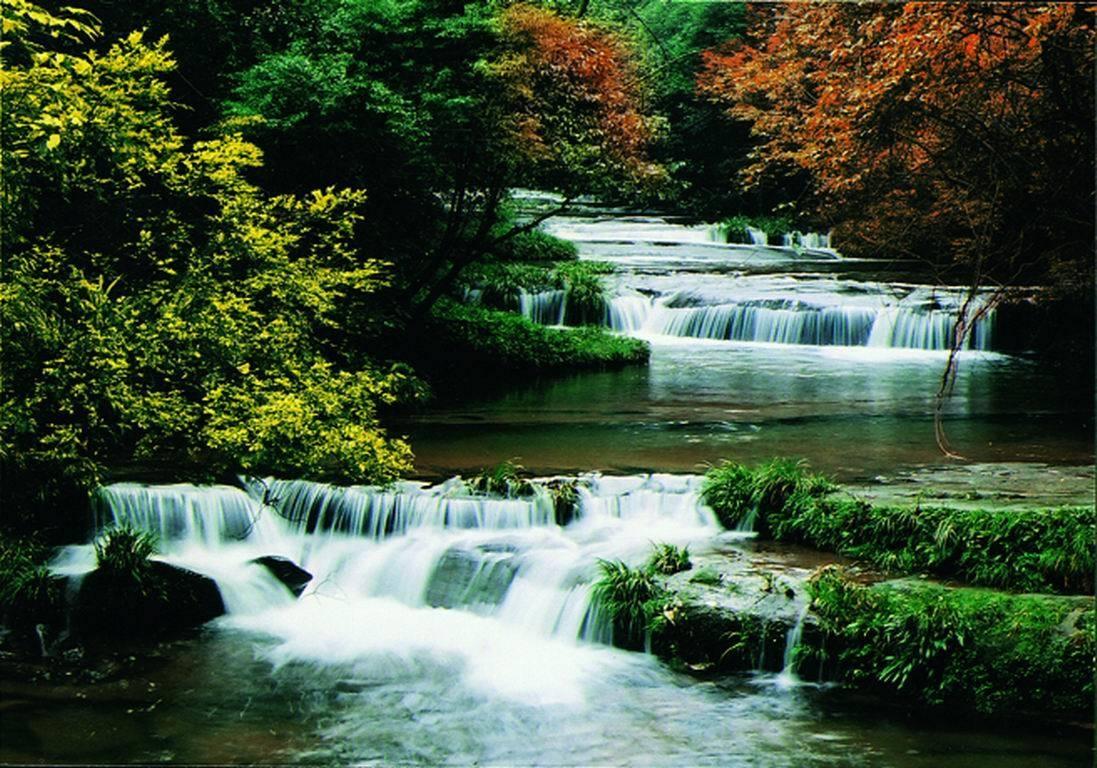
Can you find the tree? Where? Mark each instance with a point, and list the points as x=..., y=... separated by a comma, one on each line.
x=155, y=305
x=438, y=108
x=957, y=133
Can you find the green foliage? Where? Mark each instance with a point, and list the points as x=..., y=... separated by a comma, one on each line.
x=667, y=559
x=565, y=499
x=1031, y=550
x=735, y=227
x=536, y=245
x=155, y=303
x=751, y=499
x=1038, y=550
x=464, y=339
x=504, y=479
x=631, y=597
x=29, y=593
x=994, y=652
x=122, y=554
x=586, y=290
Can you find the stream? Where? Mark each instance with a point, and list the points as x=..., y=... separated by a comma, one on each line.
x=444, y=628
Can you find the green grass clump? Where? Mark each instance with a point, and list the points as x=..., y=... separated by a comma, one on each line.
x=465, y=338
x=536, y=245
x=753, y=499
x=1032, y=550
x=668, y=559
x=1028, y=550
x=971, y=647
x=29, y=593
x=631, y=597
x=504, y=479
x=122, y=554
x=735, y=227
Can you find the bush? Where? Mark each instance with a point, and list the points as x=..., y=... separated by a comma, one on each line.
x=465, y=339
x=754, y=499
x=29, y=593
x=971, y=647
x=735, y=227
x=585, y=288
x=122, y=554
x=502, y=480
x=668, y=559
x=537, y=245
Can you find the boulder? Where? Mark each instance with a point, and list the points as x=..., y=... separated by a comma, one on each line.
x=293, y=576
x=167, y=600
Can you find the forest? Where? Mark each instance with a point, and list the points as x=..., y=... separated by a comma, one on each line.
x=498, y=316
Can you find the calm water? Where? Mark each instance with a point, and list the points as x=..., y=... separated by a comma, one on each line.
x=857, y=411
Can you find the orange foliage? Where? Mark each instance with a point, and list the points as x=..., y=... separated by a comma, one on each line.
x=962, y=127
x=574, y=97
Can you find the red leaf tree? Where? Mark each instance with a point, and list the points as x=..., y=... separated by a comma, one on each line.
x=960, y=133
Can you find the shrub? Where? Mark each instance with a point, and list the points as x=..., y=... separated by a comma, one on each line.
x=735, y=227
x=502, y=480
x=122, y=554
x=754, y=499
x=565, y=499
x=29, y=593
x=1045, y=550
x=460, y=339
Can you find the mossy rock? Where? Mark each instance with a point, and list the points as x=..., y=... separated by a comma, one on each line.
x=170, y=601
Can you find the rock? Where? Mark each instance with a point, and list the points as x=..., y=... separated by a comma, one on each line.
x=470, y=577
x=286, y=571
x=167, y=601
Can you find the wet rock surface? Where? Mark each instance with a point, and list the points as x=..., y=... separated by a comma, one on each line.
x=1011, y=484
x=294, y=577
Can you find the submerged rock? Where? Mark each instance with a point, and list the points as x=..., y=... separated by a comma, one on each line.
x=164, y=600
x=293, y=576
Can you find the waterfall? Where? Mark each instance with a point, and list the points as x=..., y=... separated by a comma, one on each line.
x=795, y=634
x=757, y=236
x=425, y=547
x=796, y=322
x=545, y=307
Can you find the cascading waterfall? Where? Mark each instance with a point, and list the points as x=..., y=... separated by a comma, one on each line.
x=797, y=322
x=424, y=547
x=545, y=307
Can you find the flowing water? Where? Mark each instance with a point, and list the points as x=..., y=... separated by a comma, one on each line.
x=762, y=351
x=446, y=628
x=443, y=627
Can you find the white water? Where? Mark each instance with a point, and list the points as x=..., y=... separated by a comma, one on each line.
x=658, y=291
x=491, y=584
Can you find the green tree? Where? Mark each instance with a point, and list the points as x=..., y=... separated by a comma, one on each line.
x=155, y=304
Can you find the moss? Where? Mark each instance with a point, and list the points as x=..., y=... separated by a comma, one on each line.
x=967, y=647
x=1038, y=550
x=460, y=340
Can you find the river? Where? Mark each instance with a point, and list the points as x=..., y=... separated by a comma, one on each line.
x=444, y=628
